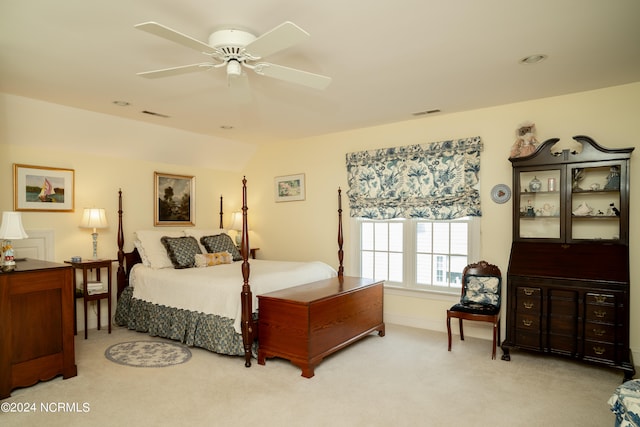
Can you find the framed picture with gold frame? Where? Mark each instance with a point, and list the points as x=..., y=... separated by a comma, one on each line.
x=174, y=201
x=42, y=188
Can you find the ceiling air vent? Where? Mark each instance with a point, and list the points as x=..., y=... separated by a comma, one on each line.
x=151, y=113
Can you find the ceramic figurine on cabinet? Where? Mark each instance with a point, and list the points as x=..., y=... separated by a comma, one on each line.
x=535, y=185
x=613, y=179
x=577, y=176
x=583, y=210
x=526, y=142
x=613, y=211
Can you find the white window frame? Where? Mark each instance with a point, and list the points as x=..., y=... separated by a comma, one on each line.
x=409, y=251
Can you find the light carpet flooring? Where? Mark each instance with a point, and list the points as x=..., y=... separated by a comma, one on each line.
x=407, y=378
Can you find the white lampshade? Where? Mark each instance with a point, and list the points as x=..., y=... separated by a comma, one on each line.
x=11, y=228
x=94, y=218
x=236, y=221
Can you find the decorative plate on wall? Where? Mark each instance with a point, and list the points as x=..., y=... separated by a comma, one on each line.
x=500, y=193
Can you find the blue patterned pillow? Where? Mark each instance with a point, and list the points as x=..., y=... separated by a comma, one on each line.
x=221, y=243
x=181, y=250
x=483, y=290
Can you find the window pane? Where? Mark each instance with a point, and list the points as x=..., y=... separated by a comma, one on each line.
x=440, y=237
x=459, y=237
x=423, y=239
x=381, y=266
x=366, y=264
x=423, y=269
x=395, y=236
x=366, y=236
x=441, y=272
x=458, y=263
x=381, y=236
x=395, y=267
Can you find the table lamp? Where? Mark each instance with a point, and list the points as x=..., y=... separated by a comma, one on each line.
x=94, y=218
x=236, y=224
x=11, y=229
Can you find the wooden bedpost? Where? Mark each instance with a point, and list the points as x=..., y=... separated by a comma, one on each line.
x=121, y=278
x=340, y=237
x=246, y=297
x=221, y=213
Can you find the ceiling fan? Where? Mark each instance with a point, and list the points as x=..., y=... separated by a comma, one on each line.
x=235, y=50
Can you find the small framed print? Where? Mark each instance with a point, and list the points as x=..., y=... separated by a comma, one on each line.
x=174, y=201
x=42, y=188
x=289, y=188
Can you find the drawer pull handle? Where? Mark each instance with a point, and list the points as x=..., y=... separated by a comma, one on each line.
x=599, y=350
x=528, y=305
x=600, y=313
x=601, y=298
x=527, y=323
x=599, y=332
x=528, y=292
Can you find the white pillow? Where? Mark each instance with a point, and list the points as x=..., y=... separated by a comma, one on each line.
x=201, y=232
x=152, y=251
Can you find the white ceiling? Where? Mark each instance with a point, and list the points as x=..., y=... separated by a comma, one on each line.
x=388, y=59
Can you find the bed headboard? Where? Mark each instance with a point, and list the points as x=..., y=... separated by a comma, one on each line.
x=126, y=260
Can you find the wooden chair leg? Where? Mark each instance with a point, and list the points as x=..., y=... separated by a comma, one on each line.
x=461, y=330
x=495, y=332
x=449, y=331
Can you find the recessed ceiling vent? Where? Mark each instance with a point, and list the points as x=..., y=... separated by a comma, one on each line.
x=151, y=113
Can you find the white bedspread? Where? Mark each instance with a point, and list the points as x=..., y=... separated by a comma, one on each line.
x=216, y=290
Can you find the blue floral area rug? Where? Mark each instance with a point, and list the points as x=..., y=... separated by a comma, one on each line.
x=148, y=354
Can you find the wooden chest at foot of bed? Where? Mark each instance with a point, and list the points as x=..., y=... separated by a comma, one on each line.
x=306, y=323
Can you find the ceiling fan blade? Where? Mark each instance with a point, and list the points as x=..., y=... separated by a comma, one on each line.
x=174, y=36
x=281, y=37
x=174, y=71
x=292, y=75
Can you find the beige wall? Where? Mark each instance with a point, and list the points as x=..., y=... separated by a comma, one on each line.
x=307, y=230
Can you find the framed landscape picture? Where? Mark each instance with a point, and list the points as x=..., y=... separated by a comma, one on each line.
x=174, y=201
x=41, y=188
x=289, y=188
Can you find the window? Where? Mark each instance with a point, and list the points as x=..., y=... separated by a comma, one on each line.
x=417, y=253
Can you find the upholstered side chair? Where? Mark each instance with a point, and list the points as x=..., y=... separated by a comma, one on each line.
x=480, y=299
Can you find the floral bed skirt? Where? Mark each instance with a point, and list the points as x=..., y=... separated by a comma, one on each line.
x=208, y=331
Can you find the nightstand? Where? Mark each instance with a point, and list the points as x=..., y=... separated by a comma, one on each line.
x=97, y=295
x=252, y=252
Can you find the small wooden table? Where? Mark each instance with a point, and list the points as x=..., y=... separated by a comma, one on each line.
x=306, y=323
x=85, y=266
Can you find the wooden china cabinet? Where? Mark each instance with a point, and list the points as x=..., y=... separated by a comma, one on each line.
x=568, y=276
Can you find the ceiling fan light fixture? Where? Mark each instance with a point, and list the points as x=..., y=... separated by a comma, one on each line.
x=234, y=69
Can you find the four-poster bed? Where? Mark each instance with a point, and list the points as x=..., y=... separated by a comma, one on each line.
x=209, y=312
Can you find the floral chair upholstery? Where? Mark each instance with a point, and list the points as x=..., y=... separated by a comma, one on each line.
x=480, y=299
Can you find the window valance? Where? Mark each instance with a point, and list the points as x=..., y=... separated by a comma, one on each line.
x=436, y=181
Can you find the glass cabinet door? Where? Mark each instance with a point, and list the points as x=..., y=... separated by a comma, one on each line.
x=595, y=202
x=539, y=204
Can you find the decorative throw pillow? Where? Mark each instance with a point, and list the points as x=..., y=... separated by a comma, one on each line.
x=181, y=250
x=152, y=251
x=221, y=243
x=482, y=290
x=208, y=260
x=198, y=233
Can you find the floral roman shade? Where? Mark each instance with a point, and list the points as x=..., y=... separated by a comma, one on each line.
x=437, y=181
